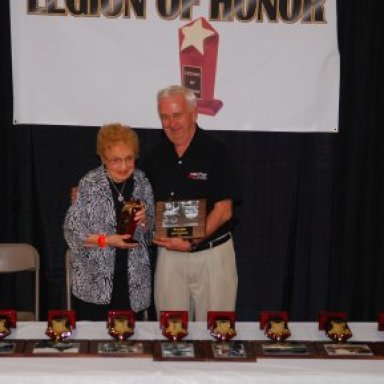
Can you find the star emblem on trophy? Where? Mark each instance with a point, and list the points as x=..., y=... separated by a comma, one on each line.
x=198, y=49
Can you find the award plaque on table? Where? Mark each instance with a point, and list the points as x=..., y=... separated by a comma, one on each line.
x=7, y=322
x=381, y=322
x=120, y=325
x=184, y=350
x=120, y=348
x=378, y=348
x=174, y=327
x=286, y=349
x=349, y=350
x=52, y=348
x=11, y=348
x=232, y=350
x=180, y=218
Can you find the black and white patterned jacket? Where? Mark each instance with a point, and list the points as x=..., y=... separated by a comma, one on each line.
x=92, y=268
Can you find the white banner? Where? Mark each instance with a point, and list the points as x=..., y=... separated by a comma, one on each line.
x=255, y=65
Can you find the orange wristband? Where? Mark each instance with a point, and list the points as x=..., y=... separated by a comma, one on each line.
x=102, y=241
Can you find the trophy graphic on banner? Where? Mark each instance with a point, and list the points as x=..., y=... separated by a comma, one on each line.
x=198, y=46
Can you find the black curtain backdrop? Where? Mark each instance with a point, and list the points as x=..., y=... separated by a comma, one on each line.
x=309, y=233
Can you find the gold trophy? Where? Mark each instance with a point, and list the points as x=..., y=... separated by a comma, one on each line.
x=221, y=324
x=338, y=330
x=174, y=329
x=5, y=327
x=277, y=329
x=120, y=328
x=59, y=328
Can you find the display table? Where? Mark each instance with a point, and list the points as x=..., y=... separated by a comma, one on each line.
x=111, y=370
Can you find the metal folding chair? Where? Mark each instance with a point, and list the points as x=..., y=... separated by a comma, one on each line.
x=18, y=257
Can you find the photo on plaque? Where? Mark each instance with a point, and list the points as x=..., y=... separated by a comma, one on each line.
x=56, y=348
x=126, y=348
x=234, y=350
x=348, y=350
x=229, y=349
x=11, y=348
x=131, y=348
x=178, y=351
x=181, y=218
x=48, y=346
x=285, y=349
x=7, y=347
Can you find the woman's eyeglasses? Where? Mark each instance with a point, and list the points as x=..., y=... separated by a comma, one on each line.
x=118, y=162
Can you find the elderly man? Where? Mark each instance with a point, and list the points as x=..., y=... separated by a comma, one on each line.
x=195, y=275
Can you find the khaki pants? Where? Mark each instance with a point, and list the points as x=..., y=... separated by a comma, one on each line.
x=196, y=282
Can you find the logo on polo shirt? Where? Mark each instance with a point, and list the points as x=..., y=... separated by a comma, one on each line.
x=198, y=176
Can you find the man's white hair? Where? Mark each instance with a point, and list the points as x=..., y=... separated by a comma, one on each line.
x=178, y=90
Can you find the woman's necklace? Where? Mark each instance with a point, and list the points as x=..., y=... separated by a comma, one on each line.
x=120, y=196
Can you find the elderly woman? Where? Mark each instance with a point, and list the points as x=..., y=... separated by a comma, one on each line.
x=108, y=272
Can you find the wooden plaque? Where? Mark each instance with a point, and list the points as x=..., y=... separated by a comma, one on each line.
x=11, y=348
x=286, y=349
x=185, y=350
x=348, y=350
x=180, y=218
x=66, y=348
x=116, y=348
x=232, y=350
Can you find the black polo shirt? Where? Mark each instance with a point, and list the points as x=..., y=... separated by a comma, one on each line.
x=204, y=171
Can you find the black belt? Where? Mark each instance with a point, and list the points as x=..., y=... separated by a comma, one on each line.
x=211, y=244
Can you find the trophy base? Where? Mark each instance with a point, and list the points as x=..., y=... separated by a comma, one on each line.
x=209, y=107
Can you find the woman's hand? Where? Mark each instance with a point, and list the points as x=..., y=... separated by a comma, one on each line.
x=140, y=216
x=118, y=241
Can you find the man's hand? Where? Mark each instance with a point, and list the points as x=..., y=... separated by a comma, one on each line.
x=173, y=244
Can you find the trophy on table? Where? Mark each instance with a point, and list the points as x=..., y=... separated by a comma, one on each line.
x=275, y=325
x=7, y=321
x=60, y=325
x=121, y=324
x=338, y=330
x=221, y=325
x=174, y=324
x=335, y=326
